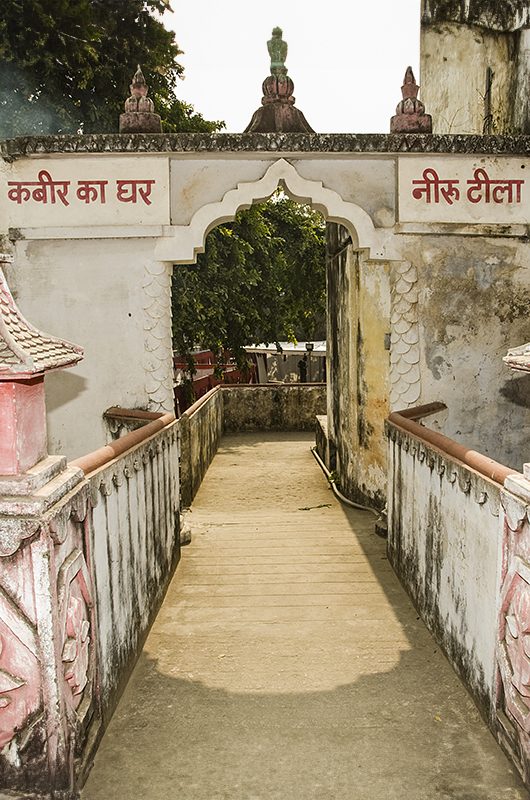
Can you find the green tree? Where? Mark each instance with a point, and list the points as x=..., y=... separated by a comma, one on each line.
x=66, y=65
x=260, y=279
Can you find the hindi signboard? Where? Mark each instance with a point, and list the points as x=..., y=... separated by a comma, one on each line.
x=86, y=191
x=464, y=190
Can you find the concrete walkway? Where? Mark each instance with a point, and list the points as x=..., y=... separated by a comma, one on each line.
x=287, y=663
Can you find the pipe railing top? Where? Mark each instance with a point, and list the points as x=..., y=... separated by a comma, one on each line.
x=104, y=455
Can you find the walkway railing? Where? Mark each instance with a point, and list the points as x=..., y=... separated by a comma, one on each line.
x=133, y=541
x=455, y=537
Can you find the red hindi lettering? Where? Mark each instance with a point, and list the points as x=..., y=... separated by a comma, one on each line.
x=479, y=187
x=19, y=193
x=432, y=186
x=128, y=191
x=47, y=188
x=483, y=188
x=91, y=191
x=508, y=187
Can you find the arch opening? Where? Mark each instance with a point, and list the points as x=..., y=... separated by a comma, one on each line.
x=357, y=319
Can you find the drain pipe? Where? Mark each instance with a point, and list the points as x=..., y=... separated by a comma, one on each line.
x=336, y=492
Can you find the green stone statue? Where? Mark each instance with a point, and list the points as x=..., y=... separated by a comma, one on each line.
x=278, y=52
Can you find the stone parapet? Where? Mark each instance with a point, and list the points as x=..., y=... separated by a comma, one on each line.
x=23, y=146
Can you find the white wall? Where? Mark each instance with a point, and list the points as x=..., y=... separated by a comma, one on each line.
x=92, y=292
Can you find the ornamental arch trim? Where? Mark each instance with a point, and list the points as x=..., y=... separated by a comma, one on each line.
x=187, y=241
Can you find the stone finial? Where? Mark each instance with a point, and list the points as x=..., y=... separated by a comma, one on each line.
x=278, y=112
x=139, y=116
x=278, y=52
x=410, y=114
x=138, y=101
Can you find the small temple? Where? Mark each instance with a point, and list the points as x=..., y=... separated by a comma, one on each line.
x=278, y=112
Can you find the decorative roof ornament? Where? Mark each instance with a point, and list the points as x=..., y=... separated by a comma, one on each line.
x=24, y=350
x=278, y=52
x=139, y=116
x=410, y=114
x=278, y=112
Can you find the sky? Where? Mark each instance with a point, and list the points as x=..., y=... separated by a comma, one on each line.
x=347, y=58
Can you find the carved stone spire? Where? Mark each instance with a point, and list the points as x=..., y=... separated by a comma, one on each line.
x=278, y=112
x=410, y=114
x=139, y=114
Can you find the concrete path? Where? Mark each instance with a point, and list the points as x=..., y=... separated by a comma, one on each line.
x=287, y=663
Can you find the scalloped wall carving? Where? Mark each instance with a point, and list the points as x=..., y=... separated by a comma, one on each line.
x=158, y=346
x=405, y=377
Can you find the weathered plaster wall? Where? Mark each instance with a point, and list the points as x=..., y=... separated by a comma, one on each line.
x=473, y=304
x=358, y=368
x=459, y=42
x=114, y=302
x=454, y=59
x=444, y=543
x=197, y=181
x=201, y=429
x=282, y=407
x=506, y=16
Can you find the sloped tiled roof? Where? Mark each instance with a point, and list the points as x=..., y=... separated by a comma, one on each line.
x=24, y=350
x=519, y=358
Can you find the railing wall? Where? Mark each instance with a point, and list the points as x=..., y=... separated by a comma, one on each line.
x=273, y=407
x=459, y=539
x=134, y=544
x=201, y=429
x=444, y=543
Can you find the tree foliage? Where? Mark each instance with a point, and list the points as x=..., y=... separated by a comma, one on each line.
x=66, y=65
x=260, y=279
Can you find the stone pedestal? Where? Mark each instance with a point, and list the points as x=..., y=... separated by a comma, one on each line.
x=47, y=653
x=140, y=122
x=22, y=423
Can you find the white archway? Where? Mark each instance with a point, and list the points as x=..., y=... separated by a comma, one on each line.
x=182, y=243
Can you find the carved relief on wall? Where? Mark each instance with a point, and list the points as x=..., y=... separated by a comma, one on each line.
x=513, y=653
x=514, y=656
x=20, y=681
x=75, y=603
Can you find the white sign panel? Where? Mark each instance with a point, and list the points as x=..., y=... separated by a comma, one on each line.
x=464, y=190
x=79, y=192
